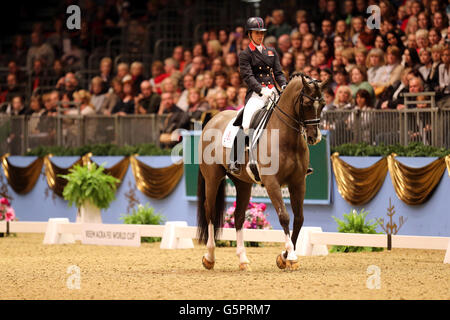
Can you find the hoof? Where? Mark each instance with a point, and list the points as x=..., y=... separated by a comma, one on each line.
x=207, y=264
x=245, y=267
x=280, y=262
x=292, y=265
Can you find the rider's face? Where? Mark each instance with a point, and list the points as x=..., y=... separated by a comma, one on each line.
x=258, y=37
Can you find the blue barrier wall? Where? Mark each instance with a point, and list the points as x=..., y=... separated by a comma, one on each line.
x=429, y=219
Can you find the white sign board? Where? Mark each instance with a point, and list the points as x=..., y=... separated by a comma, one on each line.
x=110, y=235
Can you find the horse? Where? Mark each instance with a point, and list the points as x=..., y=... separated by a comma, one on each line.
x=295, y=121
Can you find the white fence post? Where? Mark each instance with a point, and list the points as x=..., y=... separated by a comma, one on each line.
x=447, y=254
x=52, y=234
x=170, y=240
x=304, y=245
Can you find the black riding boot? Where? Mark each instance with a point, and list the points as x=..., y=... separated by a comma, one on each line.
x=237, y=152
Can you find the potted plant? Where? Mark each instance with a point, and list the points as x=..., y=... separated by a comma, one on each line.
x=91, y=190
x=6, y=213
x=144, y=215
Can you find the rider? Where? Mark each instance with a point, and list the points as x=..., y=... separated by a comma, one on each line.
x=259, y=68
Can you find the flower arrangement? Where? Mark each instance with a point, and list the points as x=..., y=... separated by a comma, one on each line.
x=6, y=211
x=255, y=218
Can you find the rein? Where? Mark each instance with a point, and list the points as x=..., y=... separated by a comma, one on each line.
x=302, y=123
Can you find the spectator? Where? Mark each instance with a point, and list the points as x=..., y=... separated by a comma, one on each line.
x=348, y=58
x=235, y=80
x=410, y=58
x=177, y=55
x=137, y=75
x=170, y=85
x=113, y=97
x=434, y=37
x=232, y=94
x=390, y=72
x=415, y=86
x=328, y=96
x=68, y=85
x=217, y=65
x=221, y=102
x=56, y=72
x=83, y=98
x=440, y=22
x=287, y=65
x=308, y=46
x=342, y=30
x=341, y=78
x=356, y=29
x=276, y=24
x=231, y=63
x=188, y=83
x=208, y=89
x=17, y=107
x=14, y=69
x=327, y=32
x=444, y=77
x=167, y=104
x=393, y=39
x=106, y=73
x=213, y=50
x=359, y=81
x=97, y=97
x=343, y=98
x=242, y=92
x=433, y=77
x=296, y=42
x=147, y=102
x=360, y=57
x=39, y=76
x=300, y=62
x=363, y=100
x=35, y=108
x=12, y=89
x=380, y=43
x=123, y=70
x=197, y=105
x=39, y=50
x=326, y=75
x=374, y=62
x=422, y=21
x=197, y=66
x=19, y=51
x=126, y=105
x=158, y=76
x=425, y=69
x=422, y=39
x=392, y=96
x=284, y=44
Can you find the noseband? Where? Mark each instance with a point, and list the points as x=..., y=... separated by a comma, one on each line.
x=302, y=122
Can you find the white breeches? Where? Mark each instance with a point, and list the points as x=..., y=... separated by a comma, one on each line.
x=253, y=104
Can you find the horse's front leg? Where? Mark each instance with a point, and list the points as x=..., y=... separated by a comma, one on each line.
x=288, y=258
x=297, y=195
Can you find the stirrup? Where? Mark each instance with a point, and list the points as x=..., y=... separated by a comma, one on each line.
x=309, y=171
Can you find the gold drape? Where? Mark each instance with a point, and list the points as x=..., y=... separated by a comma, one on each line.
x=22, y=179
x=52, y=172
x=414, y=185
x=447, y=161
x=156, y=182
x=358, y=185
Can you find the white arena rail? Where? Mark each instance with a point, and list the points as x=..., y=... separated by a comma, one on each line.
x=312, y=241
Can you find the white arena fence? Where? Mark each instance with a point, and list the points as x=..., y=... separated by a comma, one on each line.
x=177, y=235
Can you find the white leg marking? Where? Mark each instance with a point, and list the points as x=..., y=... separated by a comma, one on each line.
x=210, y=244
x=240, y=247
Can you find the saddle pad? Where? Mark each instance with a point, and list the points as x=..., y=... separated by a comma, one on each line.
x=229, y=134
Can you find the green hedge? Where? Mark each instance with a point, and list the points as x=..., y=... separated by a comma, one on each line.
x=101, y=150
x=414, y=149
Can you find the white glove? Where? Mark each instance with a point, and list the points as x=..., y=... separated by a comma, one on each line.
x=266, y=92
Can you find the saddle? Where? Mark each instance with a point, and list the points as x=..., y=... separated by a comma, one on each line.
x=257, y=125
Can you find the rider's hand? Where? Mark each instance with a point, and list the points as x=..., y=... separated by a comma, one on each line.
x=266, y=92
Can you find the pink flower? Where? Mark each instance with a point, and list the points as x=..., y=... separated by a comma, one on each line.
x=262, y=206
x=247, y=224
x=226, y=225
x=10, y=214
x=5, y=202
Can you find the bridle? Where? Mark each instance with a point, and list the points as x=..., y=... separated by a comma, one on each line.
x=302, y=123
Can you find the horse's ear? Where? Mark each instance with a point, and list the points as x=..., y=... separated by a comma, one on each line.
x=305, y=84
x=323, y=84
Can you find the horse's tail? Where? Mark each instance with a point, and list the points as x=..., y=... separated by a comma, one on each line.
x=219, y=209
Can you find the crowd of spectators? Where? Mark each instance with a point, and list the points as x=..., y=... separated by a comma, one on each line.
x=368, y=67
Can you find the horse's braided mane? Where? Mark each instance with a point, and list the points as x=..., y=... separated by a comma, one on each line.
x=301, y=74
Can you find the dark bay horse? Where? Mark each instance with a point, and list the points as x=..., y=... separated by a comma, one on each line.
x=293, y=123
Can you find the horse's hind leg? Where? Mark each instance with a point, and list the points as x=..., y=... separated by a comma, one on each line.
x=213, y=179
x=243, y=192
